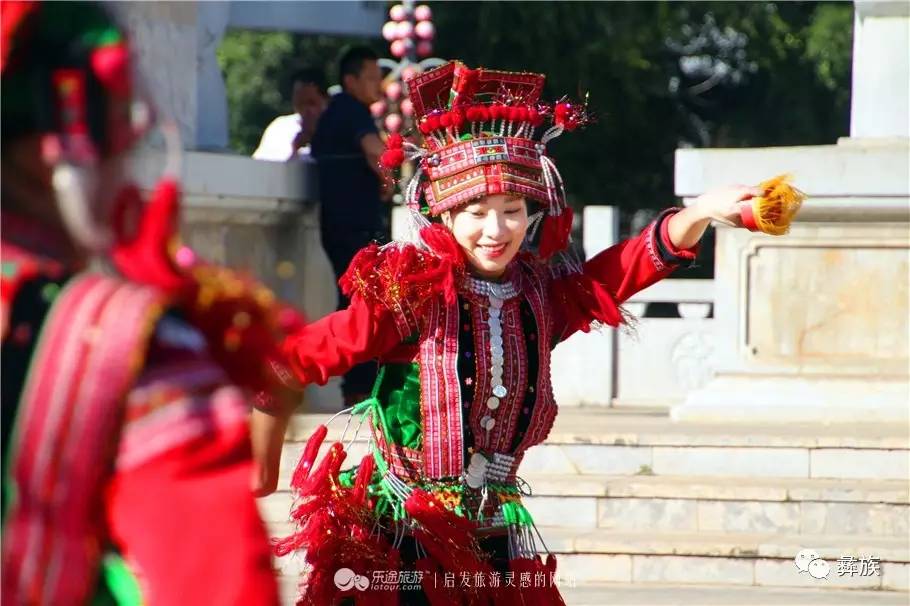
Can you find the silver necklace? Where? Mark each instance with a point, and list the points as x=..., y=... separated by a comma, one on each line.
x=496, y=293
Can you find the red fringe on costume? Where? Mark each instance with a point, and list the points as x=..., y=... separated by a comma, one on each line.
x=393, y=275
x=335, y=527
x=598, y=303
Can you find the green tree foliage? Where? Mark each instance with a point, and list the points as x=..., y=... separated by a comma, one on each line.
x=659, y=75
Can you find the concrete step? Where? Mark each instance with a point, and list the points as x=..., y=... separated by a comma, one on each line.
x=763, y=559
x=858, y=507
x=706, y=505
x=653, y=427
x=656, y=594
x=713, y=488
x=609, y=442
x=722, y=544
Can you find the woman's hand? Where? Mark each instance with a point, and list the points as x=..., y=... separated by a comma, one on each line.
x=723, y=204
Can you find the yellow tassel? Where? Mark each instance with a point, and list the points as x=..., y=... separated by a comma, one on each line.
x=774, y=211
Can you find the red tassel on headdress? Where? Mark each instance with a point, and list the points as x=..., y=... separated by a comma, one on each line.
x=554, y=233
x=458, y=117
x=394, y=141
x=392, y=158
x=474, y=113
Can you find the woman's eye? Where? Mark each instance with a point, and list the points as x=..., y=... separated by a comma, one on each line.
x=513, y=212
x=477, y=214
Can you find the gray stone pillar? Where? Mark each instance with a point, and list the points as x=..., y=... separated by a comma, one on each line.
x=814, y=326
x=174, y=46
x=880, y=104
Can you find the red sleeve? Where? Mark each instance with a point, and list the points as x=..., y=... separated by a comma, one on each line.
x=614, y=275
x=179, y=504
x=334, y=344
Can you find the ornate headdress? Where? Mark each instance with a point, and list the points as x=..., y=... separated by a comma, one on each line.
x=484, y=133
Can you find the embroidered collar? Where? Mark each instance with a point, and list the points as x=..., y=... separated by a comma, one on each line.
x=507, y=289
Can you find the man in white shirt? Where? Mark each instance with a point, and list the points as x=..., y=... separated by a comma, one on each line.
x=289, y=136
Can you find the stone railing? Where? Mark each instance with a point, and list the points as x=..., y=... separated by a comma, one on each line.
x=655, y=361
x=670, y=350
x=261, y=217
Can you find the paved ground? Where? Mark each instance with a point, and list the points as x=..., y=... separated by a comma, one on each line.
x=675, y=595
x=695, y=595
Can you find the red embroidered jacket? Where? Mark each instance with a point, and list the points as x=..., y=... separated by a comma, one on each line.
x=413, y=306
x=121, y=435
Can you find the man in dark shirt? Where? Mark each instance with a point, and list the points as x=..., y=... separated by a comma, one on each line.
x=353, y=194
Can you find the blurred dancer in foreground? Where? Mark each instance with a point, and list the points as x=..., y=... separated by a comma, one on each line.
x=125, y=394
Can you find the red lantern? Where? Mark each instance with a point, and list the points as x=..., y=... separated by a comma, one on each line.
x=393, y=90
x=424, y=48
x=425, y=30
x=393, y=123
x=390, y=30
x=398, y=49
x=378, y=108
x=398, y=13
x=405, y=30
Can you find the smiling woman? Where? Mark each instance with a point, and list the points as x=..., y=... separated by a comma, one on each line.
x=490, y=231
x=462, y=318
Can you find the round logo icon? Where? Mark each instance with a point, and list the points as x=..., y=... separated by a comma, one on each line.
x=345, y=579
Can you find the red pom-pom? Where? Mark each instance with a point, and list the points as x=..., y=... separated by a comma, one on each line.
x=497, y=111
x=534, y=116
x=522, y=114
x=473, y=113
x=457, y=117
x=568, y=116
x=433, y=122
x=445, y=120
x=513, y=113
x=424, y=127
x=111, y=67
x=484, y=113
x=395, y=141
x=391, y=158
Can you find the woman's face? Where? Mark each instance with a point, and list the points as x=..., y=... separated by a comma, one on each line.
x=490, y=231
